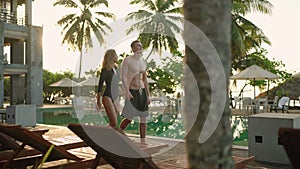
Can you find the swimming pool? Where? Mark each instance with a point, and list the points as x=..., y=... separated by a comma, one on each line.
x=239, y=126
x=168, y=125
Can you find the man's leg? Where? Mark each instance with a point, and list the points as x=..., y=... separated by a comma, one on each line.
x=143, y=129
x=124, y=123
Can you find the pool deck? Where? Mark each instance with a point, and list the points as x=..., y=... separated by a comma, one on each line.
x=176, y=148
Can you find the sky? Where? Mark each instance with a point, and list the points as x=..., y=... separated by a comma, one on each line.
x=57, y=57
x=281, y=27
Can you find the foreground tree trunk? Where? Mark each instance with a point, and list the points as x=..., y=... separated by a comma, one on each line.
x=206, y=104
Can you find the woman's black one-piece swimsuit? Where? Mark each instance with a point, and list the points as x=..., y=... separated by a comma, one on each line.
x=111, y=82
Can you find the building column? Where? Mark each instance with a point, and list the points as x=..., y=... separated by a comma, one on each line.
x=14, y=6
x=1, y=65
x=17, y=82
x=34, y=60
x=28, y=12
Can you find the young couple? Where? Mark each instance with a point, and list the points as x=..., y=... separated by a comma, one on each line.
x=135, y=85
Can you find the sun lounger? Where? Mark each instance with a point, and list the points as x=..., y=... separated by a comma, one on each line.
x=290, y=139
x=7, y=143
x=21, y=157
x=115, y=148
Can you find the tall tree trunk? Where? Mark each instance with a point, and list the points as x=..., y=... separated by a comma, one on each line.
x=149, y=54
x=206, y=104
x=81, y=45
x=80, y=64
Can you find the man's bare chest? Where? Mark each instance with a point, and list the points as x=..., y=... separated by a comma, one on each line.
x=137, y=66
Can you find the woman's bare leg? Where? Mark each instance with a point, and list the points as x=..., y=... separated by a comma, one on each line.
x=110, y=111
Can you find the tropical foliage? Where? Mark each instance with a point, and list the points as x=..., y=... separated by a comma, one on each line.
x=157, y=24
x=246, y=36
x=167, y=74
x=79, y=26
x=247, y=40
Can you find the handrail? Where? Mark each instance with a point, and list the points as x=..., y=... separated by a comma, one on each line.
x=12, y=17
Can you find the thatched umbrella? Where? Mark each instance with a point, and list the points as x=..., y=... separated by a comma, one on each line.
x=290, y=88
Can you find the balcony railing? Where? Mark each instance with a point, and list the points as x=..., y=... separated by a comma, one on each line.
x=12, y=17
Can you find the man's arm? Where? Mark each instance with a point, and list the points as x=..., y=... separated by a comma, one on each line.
x=146, y=86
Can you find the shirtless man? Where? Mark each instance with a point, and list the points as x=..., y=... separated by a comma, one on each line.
x=134, y=79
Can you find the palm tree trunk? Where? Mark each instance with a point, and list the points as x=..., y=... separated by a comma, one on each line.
x=209, y=139
x=80, y=63
x=149, y=54
x=81, y=48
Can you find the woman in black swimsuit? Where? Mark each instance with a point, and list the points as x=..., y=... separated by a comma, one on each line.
x=110, y=76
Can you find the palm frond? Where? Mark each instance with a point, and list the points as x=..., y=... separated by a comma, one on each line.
x=174, y=11
x=237, y=39
x=87, y=40
x=176, y=19
x=172, y=44
x=96, y=3
x=244, y=7
x=101, y=24
x=154, y=24
x=66, y=3
x=174, y=26
x=98, y=33
x=70, y=22
x=145, y=3
x=138, y=15
x=163, y=5
x=107, y=15
x=71, y=33
x=251, y=27
x=66, y=19
x=141, y=25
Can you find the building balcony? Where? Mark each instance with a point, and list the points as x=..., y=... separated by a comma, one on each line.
x=12, y=17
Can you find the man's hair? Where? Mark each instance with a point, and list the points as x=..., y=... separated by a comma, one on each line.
x=132, y=43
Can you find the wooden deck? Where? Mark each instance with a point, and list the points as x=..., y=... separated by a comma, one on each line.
x=179, y=150
x=175, y=149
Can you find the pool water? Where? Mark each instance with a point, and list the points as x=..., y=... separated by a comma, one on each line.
x=239, y=126
x=168, y=125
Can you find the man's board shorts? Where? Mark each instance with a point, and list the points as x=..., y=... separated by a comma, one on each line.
x=137, y=106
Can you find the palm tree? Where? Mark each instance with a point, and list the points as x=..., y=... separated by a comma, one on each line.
x=246, y=35
x=157, y=24
x=213, y=18
x=77, y=27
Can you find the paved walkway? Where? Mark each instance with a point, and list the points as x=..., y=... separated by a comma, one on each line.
x=176, y=148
